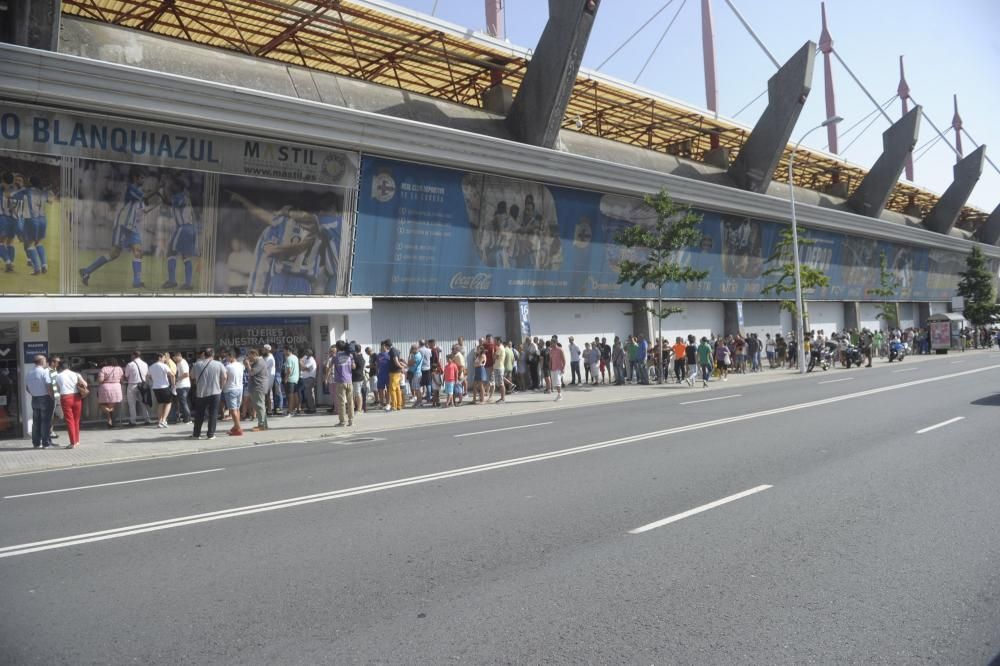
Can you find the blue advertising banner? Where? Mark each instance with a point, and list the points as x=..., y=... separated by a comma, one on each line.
x=33, y=349
x=430, y=231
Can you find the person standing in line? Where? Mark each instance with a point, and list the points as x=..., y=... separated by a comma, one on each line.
x=209, y=376
x=135, y=379
x=574, y=363
x=422, y=371
x=291, y=377
x=396, y=368
x=705, y=361
x=631, y=349
x=358, y=378
x=371, y=361
x=640, y=357
x=70, y=385
x=109, y=389
x=618, y=361
x=343, y=364
x=38, y=384
x=557, y=364
x=273, y=387
x=162, y=382
x=680, y=359
x=769, y=350
x=308, y=365
x=233, y=391
x=57, y=412
x=182, y=387
x=531, y=353
x=260, y=387
x=331, y=355
x=691, y=359
x=382, y=376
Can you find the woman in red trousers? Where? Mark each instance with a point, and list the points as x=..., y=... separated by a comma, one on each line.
x=69, y=384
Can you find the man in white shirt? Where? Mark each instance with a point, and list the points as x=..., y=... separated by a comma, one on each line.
x=271, y=374
x=574, y=362
x=162, y=381
x=136, y=372
x=182, y=387
x=307, y=370
x=232, y=391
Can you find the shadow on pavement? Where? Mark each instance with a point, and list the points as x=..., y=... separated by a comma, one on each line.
x=989, y=401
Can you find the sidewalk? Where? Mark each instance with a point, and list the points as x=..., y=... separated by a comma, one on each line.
x=145, y=442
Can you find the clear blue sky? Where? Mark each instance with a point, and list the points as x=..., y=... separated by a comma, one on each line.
x=949, y=47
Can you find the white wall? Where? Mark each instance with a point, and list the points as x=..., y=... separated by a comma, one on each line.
x=762, y=318
x=700, y=318
x=490, y=319
x=869, y=317
x=584, y=321
x=907, y=315
x=826, y=316
x=405, y=322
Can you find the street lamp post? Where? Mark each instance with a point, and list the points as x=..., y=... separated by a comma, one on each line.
x=799, y=332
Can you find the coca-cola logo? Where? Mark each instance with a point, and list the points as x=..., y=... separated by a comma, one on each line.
x=480, y=281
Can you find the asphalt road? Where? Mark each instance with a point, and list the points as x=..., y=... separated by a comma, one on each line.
x=845, y=537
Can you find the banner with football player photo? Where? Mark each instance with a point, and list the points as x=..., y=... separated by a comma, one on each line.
x=281, y=238
x=139, y=229
x=30, y=224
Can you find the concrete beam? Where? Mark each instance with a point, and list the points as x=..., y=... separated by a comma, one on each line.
x=946, y=211
x=989, y=233
x=32, y=23
x=538, y=109
x=897, y=144
x=786, y=94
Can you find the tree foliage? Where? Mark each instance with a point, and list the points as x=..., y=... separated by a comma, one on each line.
x=676, y=228
x=782, y=270
x=976, y=286
x=888, y=285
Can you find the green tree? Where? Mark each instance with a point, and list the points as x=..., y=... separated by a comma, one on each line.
x=976, y=286
x=676, y=228
x=888, y=284
x=782, y=270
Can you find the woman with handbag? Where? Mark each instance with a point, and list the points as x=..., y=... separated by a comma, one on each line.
x=72, y=390
x=109, y=389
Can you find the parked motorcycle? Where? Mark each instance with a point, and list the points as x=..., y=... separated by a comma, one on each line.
x=897, y=351
x=853, y=356
x=822, y=356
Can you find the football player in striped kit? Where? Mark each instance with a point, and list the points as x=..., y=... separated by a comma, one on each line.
x=34, y=198
x=184, y=242
x=288, y=256
x=9, y=219
x=125, y=235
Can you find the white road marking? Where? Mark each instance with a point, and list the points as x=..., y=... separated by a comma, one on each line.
x=904, y=370
x=721, y=397
x=955, y=362
x=114, y=483
x=940, y=425
x=485, y=432
x=697, y=510
x=834, y=381
x=131, y=530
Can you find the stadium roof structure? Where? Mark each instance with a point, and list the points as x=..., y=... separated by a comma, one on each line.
x=383, y=44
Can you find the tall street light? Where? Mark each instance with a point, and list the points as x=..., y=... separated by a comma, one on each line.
x=800, y=333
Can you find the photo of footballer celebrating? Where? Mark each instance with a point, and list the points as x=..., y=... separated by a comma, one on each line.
x=150, y=213
x=30, y=221
x=278, y=238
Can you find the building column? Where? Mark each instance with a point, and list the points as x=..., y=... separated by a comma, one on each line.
x=852, y=315
x=28, y=331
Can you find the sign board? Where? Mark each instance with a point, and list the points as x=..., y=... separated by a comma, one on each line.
x=957, y=304
x=739, y=314
x=940, y=332
x=525, y=317
x=32, y=349
x=6, y=352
